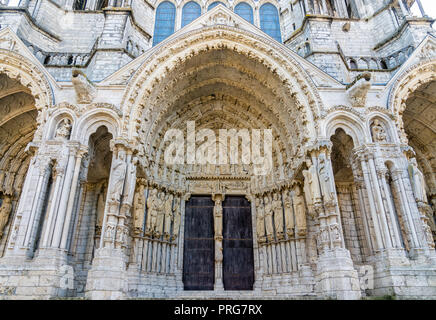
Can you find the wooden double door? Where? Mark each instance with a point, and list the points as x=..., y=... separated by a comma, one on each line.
x=199, y=244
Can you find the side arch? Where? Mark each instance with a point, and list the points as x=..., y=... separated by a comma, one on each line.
x=92, y=120
x=350, y=123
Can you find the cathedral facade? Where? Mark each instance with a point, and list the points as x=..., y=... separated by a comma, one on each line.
x=337, y=98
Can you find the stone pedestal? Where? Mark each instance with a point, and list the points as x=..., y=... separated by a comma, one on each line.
x=336, y=277
x=107, y=278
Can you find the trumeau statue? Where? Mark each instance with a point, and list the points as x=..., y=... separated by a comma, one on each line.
x=176, y=217
x=278, y=215
x=325, y=181
x=300, y=211
x=260, y=220
x=268, y=218
x=218, y=219
x=64, y=129
x=151, y=212
x=378, y=132
x=418, y=181
x=168, y=216
x=138, y=209
x=289, y=217
x=5, y=211
x=118, y=175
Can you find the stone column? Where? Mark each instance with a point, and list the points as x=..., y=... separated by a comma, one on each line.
x=218, y=236
x=404, y=10
x=307, y=8
x=58, y=178
x=21, y=242
x=375, y=217
x=65, y=195
x=397, y=177
x=392, y=214
x=379, y=203
x=324, y=8
x=107, y=279
x=336, y=276
x=72, y=197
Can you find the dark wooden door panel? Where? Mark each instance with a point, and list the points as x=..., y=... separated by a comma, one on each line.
x=238, y=261
x=199, y=249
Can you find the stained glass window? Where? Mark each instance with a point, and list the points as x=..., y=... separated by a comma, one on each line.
x=190, y=12
x=269, y=21
x=164, y=22
x=214, y=4
x=245, y=11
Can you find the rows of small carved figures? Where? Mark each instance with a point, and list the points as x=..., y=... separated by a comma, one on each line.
x=280, y=215
x=162, y=217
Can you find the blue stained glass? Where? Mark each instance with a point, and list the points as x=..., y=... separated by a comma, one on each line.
x=164, y=22
x=269, y=21
x=190, y=12
x=245, y=11
x=214, y=4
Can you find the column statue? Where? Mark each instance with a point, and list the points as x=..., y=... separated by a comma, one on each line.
x=5, y=211
x=138, y=210
x=260, y=220
x=176, y=217
x=300, y=212
x=268, y=219
x=325, y=181
x=311, y=186
x=278, y=215
x=117, y=177
x=289, y=215
x=151, y=212
x=418, y=181
x=168, y=216
x=160, y=208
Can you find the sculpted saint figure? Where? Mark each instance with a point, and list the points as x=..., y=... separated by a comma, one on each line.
x=176, y=217
x=218, y=216
x=260, y=220
x=325, y=182
x=168, y=216
x=311, y=183
x=417, y=180
x=278, y=215
x=289, y=217
x=300, y=211
x=268, y=218
x=138, y=209
x=378, y=132
x=117, y=176
x=151, y=212
x=160, y=207
x=64, y=129
x=5, y=211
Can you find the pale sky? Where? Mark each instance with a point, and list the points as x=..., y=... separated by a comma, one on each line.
x=429, y=7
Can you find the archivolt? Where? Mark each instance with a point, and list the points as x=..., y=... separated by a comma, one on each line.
x=407, y=83
x=169, y=55
x=28, y=74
